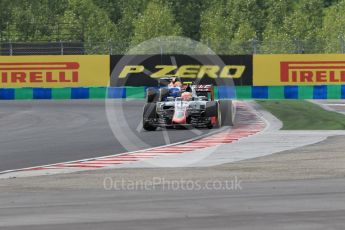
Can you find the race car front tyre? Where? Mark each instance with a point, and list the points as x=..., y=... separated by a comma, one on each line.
x=148, y=127
x=152, y=95
x=227, y=111
x=163, y=94
x=149, y=114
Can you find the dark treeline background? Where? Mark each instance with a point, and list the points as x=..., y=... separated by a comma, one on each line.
x=226, y=25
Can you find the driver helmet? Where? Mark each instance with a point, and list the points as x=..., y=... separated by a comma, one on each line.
x=186, y=96
x=174, y=83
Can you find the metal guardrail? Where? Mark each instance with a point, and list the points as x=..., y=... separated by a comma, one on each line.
x=41, y=48
x=60, y=48
x=78, y=47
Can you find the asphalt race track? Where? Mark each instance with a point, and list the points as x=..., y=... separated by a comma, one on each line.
x=44, y=132
x=301, y=204
x=301, y=188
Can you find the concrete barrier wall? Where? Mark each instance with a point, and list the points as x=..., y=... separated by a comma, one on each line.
x=238, y=92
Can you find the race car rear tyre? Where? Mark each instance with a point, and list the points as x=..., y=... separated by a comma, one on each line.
x=152, y=95
x=149, y=113
x=163, y=94
x=227, y=111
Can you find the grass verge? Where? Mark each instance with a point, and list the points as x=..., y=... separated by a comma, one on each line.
x=303, y=115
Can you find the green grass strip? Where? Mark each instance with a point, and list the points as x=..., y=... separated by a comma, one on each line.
x=303, y=115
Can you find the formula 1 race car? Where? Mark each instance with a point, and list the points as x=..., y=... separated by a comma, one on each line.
x=186, y=105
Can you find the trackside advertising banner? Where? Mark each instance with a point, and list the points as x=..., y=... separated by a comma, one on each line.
x=73, y=71
x=54, y=71
x=145, y=70
x=299, y=69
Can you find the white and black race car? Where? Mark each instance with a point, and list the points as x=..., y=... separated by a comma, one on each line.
x=189, y=105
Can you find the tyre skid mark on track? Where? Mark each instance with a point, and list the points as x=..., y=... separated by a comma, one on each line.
x=248, y=123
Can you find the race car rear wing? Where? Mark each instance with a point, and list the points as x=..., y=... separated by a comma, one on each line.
x=205, y=90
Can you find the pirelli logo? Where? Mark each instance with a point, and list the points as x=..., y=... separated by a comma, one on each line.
x=39, y=72
x=312, y=72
